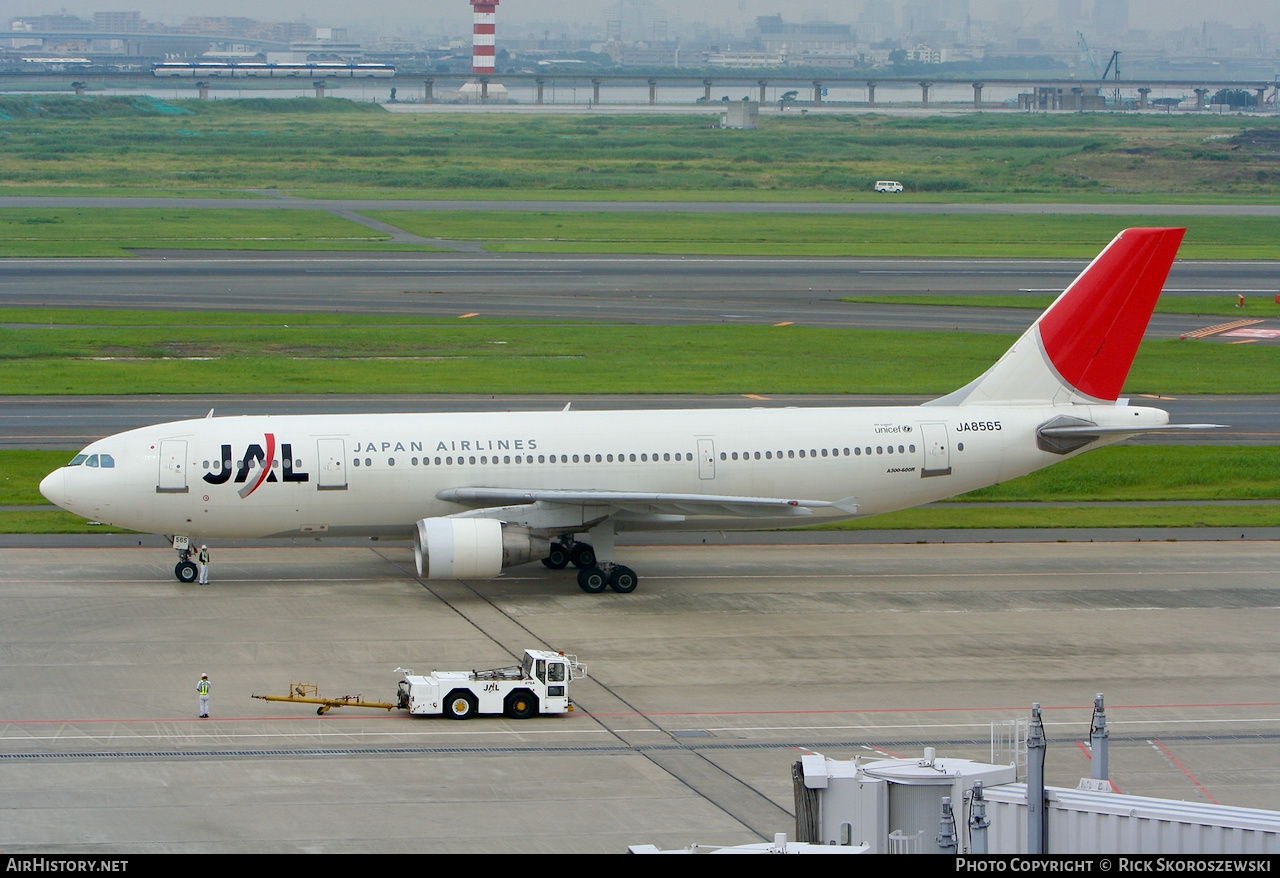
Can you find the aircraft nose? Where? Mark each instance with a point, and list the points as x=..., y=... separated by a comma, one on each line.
x=53, y=487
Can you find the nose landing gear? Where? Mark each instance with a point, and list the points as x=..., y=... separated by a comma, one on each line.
x=186, y=569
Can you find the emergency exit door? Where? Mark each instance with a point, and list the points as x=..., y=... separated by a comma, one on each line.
x=706, y=459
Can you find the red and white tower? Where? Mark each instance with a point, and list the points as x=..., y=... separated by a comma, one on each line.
x=483, y=30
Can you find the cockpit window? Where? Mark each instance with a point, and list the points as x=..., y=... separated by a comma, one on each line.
x=106, y=461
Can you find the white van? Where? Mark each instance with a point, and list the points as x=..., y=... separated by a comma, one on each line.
x=888, y=186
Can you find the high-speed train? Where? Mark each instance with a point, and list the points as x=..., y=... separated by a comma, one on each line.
x=281, y=70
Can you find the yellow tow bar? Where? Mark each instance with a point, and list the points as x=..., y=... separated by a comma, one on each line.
x=309, y=693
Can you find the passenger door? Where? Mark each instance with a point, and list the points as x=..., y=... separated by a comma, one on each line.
x=937, y=450
x=173, y=467
x=331, y=455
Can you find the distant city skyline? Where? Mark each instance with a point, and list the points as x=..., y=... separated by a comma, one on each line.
x=391, y=16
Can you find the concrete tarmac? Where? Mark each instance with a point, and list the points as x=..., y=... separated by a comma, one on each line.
x=704, y=686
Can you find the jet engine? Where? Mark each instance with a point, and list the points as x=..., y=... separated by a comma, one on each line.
x=473, y=548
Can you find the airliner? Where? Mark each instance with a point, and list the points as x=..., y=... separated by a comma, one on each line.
x=481, y=492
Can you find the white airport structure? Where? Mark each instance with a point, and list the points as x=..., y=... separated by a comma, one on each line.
x=936, y=805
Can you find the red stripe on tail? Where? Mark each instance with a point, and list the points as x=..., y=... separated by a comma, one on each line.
x=1092, y=332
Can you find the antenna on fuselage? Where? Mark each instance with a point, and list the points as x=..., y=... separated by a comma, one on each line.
x=209, y=417
x=566, y=406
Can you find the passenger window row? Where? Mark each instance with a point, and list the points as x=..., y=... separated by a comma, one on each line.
x=525, y=459
x=815, y=452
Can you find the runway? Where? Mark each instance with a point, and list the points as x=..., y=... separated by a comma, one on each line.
x=703, y=688
x=658, y=290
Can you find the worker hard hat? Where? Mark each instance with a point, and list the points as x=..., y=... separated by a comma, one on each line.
x=204, y=547
x=204, y=676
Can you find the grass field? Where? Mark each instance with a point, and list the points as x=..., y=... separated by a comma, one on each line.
x=54, y=144
x=170, y=352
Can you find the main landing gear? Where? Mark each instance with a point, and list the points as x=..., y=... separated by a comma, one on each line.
x=621, y=579
x=564, y=553
x=594, y=575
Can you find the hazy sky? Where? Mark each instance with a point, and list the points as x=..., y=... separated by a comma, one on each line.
x=390, y=15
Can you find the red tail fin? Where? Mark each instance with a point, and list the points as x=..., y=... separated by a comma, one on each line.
x=1093, y=330
x=1080, y=350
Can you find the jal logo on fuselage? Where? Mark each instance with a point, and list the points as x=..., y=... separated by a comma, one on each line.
x=258, y=459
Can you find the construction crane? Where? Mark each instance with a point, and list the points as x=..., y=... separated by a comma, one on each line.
x=1086, y=54
x=1114, y=63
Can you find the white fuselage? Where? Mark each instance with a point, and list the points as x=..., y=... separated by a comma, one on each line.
x=375, y=475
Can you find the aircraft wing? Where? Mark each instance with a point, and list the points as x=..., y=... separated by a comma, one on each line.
x=646, y=503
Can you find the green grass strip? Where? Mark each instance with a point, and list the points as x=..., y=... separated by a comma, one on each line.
x=114, y=231
x=46, y=522
x=1149, y=472
x=21, y=472
x=1069, y=517
x=1034, y=236
x=512, y=358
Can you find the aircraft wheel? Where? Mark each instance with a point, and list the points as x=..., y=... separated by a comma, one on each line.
x=186, y=571
x=460, y=705
x=521, y=704
x=557, y=558
x=623, y=580
x=592, y=580
x=582, y=556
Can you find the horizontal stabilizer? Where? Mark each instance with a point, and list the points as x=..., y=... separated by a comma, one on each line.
x=1093, y=430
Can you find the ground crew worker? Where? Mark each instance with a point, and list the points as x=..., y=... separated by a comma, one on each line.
x=203, y=688
x=203, y=558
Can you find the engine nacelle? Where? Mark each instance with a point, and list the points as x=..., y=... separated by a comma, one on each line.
x=473, y=548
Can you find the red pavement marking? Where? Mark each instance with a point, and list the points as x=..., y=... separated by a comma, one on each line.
x=1191, y=777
